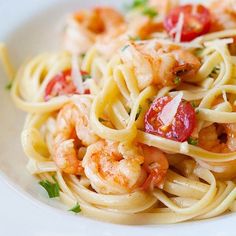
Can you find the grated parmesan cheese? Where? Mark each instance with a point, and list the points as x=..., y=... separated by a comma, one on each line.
x=184, y=148
x=224, y=96
x=169, y=111
x=177, y=30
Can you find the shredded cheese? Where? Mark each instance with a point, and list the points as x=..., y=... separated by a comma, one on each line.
x=76, y=74
x=224, y=96
x=178, y=29
x=170, y=109
x=184, y=148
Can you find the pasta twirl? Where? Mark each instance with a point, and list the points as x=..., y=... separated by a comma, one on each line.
x=134, y=120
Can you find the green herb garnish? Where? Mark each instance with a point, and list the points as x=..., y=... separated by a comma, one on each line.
x=102, y=120
x=76, y=208
x=197, y=111
x=192, y=141
x=136, y=4
x=8, y=86
x=129, y=111
x=150, y=12
x=125, y=47
x=138, y=112
x=193, y=104
x=82, y=55
x=86, y=76
x=199, y=51
x=177, y=80
x=134, y=38
x=215, y=71
x=51, y=188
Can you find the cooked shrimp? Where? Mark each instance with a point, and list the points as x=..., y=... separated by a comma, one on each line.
x=224, y=14
x=148, y=27
x=110, y=170
x=100, y=20
x=116, y=168
x=220, y=138
x=88, y=25
x=208, y=139
x=231, y=136
x=156, y=165
x=143, y=26
x=159, y=63
x=223, y=18
x=72, y=131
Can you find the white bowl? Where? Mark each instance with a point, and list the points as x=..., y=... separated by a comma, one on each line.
x=30, y=28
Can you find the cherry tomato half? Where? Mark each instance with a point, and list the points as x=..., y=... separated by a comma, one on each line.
x=182, y=125
x=197, y=21
x=62, y=84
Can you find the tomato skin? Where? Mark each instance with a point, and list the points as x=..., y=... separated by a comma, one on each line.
x=197, y=21
x=182, y=125
x=61, y=84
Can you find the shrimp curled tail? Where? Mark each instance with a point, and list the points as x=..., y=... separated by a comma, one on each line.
x=72, y=133
x=111, y=169
x=158, y=63
x=86, y=26
x=156, y=166
x=117, y=168
x=219, y=138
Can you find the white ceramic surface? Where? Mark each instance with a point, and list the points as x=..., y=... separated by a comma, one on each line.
x=29, y=27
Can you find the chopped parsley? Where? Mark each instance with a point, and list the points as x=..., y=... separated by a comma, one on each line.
x=199, y=51
x=8, y=86
x=125, y=47
x=138, y=112
x=76, y=208
x=197, y=111
x=51, y=188
x=136, y=4
x=150, y=12
x=129, y=111
x=193, y=104
x=82, y=55
x=86, y=76
x=215, y=71
x=102, y=120
x=142, y=5
x=134, y=38
x=192, y=141
x=177, y=80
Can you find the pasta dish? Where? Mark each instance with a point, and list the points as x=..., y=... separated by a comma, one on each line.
x=133, y=120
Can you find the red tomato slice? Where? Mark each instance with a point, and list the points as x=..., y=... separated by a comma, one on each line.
x=61, y=84
x=197, y=21
x=182, y=125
